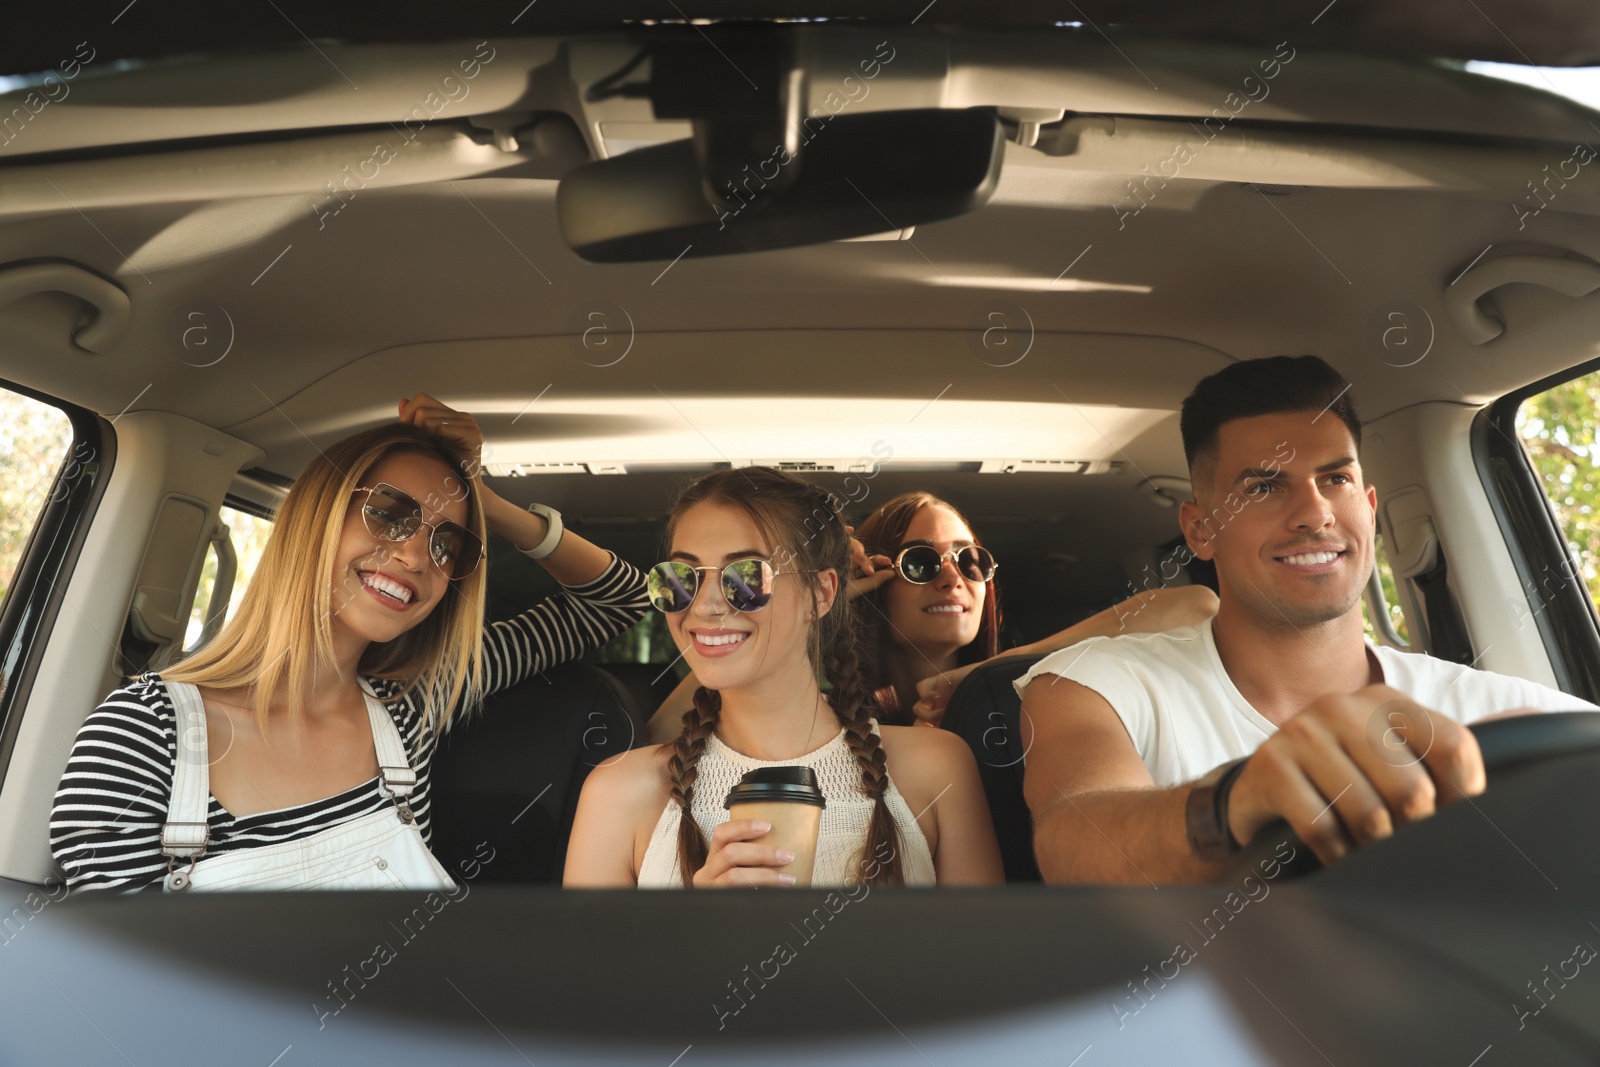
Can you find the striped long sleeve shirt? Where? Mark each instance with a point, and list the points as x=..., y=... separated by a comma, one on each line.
x=105, y=826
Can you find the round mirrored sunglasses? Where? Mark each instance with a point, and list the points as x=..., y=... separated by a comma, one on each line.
x=746, y=584
x=920, y=564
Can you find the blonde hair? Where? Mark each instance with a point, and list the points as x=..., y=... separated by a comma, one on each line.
x=282, y=632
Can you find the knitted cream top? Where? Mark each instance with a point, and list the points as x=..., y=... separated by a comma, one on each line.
x=844, y=821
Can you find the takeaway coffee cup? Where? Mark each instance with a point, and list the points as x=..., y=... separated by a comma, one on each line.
x=788, y=798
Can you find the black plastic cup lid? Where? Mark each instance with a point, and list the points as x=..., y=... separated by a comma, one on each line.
x=796, y=785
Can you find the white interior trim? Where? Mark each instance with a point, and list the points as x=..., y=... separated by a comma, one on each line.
x=1429, y=445
x=157, y=454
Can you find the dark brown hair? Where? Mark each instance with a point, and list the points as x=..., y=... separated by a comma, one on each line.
x=806, y=533
x=1262, y=387
x=884, y=532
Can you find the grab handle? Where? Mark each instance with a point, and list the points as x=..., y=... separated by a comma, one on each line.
x=102, y=327
x=1477, y=317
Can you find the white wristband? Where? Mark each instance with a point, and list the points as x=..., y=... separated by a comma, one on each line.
x=552, y=538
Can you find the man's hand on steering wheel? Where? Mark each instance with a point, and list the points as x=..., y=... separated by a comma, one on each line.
x=1349, y=770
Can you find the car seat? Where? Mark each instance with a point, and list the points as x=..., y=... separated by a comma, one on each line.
x=648, y=683
x=986, y=712
x=510, y=774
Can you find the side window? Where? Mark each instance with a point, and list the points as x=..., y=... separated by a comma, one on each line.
x=1387, y=603
x=35, y=439
x=646, y=641
x=248, y=536
x=1558, y=428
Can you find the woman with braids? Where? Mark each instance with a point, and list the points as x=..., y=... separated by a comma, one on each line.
x=752, y=596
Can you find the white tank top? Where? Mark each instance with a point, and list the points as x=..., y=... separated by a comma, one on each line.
x=1186, y=715
x=844, y=821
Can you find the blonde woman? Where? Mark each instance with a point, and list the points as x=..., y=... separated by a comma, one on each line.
x=293, y=750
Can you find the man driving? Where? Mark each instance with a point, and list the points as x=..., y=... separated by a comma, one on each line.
x=1156, y=756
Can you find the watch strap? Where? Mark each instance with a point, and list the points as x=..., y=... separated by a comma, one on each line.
x=1206, y=813
x=552, y=538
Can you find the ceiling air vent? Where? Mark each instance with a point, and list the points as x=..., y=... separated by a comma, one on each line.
x=1045, y=466
x=815, y=466
x=801, y=466
x=520, y=470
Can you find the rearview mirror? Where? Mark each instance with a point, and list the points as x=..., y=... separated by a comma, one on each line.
x=856, y=175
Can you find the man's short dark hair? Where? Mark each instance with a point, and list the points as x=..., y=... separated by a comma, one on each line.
x=1263, y=387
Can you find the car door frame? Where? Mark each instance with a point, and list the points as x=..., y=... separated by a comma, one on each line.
x=54, y=545
x=1566, y=618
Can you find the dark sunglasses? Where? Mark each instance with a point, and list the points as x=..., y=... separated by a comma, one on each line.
x=921, y=564
x=746, y=584
x=394, y=516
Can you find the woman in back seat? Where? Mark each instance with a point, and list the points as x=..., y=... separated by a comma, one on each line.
x=933, y=613
x=752, y=598
x=293, y=750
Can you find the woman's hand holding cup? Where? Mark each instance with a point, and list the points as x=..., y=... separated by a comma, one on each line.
x=783, y=801
x=738, y=861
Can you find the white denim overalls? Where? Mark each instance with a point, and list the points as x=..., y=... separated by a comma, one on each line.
x=380, y=850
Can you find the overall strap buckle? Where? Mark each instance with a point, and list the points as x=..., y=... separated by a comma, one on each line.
x=398, y=784
x=183, y=840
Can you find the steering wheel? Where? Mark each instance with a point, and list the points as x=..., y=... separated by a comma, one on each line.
x=1508, y=745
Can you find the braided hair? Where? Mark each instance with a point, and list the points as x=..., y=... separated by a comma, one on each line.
x=807, y=531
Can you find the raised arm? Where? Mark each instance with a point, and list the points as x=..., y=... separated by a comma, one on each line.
x=563, y=626
x=1155, y=611
x=1150, y=612
x=575, y=560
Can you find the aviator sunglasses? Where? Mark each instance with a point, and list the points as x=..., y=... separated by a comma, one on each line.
x=746, y=584
x=392, y=515
x=920, y=564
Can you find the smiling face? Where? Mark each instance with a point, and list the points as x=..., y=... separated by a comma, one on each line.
x=1286, y=516
x=945, y=614
x=741, y=650
x=382, y=588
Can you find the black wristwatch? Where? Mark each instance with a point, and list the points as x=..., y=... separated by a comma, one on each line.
x=1206, y=813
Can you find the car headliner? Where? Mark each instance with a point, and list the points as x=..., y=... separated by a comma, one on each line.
x=1548, y=32
x=1349, y=188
